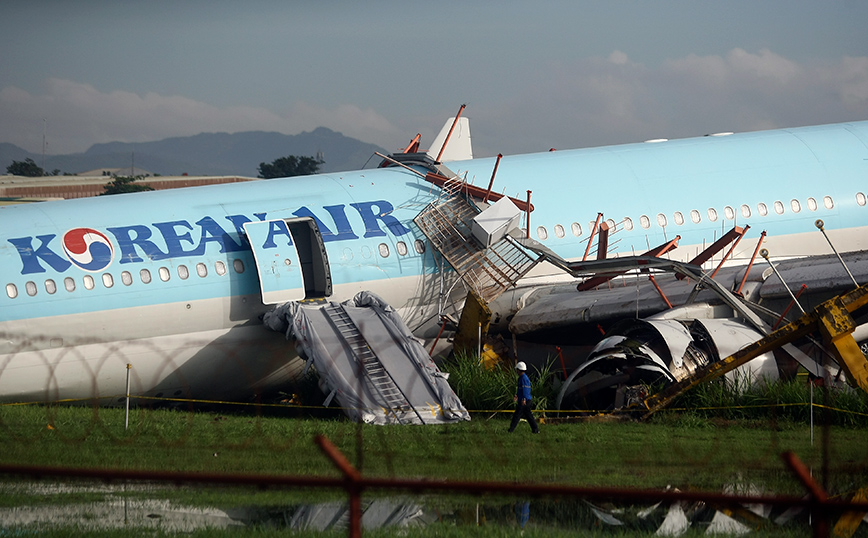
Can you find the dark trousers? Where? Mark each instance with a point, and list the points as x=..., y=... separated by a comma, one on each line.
x=522, y=411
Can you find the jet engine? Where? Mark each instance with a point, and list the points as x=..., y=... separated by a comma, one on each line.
x=641, y=354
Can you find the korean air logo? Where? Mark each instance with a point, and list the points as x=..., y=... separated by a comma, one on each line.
x=88, y=249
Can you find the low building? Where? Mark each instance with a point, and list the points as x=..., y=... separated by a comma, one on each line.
x=18, y=189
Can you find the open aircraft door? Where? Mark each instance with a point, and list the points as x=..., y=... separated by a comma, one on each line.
x=290, y=258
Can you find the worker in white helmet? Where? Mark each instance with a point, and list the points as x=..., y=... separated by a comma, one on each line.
x=522, y=400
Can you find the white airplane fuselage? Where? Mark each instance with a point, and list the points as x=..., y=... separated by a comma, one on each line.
x=167, y=283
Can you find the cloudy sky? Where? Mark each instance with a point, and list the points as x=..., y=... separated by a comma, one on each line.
x=534, y=75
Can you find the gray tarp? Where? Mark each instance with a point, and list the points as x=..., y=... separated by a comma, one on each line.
x=425, y=388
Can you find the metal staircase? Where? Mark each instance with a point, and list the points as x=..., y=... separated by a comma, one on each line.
x=379, y=380
x=487, y=271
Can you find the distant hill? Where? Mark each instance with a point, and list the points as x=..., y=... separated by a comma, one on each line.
x=207, y=153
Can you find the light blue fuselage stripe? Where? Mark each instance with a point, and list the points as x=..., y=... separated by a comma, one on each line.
x=358, y=210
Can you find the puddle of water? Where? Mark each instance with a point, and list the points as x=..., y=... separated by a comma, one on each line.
x=114, y=508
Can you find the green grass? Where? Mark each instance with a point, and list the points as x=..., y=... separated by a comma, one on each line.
x=483, y=390
x=712, y=438
x=681, y=450
x=699, y=452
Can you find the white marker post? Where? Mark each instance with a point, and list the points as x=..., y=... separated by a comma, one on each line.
x=127, y=415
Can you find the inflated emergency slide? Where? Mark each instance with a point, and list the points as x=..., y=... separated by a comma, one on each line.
x=369, y=362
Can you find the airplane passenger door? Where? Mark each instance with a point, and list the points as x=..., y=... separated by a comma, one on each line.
x=291, y=259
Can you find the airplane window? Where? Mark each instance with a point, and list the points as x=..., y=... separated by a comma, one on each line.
x=69, y=283
x=31, y=288
x=164, y=274
x=201, y=270
x=402, y=248
x=729, y=213
x=238, y=265
x=828, y=203
x=679, y=218
x=763, y=209
x=745, y=211
x=779, y=207
x=145, y=276
x=50, y=286
x=559, y=231
x=795, y=205
x=126, y=278
x=419, y=246
x=661, y=220
x=577, y=229
x=384, y=250
x=11, y=291
x=812, y=204
x=695, y=216
x=107, y=280
x=628, y=223
x=220, y=267
x=366, y=251
x=860, y=199
x=88, y=282
x=712, y=214
x=542, y=233
x=644, y=221
x=183, y=272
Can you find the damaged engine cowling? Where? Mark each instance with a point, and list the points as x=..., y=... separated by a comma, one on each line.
x=642, y=353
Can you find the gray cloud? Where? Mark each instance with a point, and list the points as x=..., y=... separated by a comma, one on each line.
x=593, y=101
x=78, y=115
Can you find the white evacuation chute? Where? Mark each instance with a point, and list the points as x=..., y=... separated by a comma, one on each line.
x=369, y=362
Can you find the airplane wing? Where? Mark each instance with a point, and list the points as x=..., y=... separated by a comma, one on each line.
x=559, y=306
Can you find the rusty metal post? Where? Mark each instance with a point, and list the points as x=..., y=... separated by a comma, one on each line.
x=353, y=479
x=591, y=238
x=449, y=134
x=491, y=182
x=662, y=295
x=789, y=306
x=752, y=259
x=563, y=364
x=819, y=516
x=528, y=214
x=730, y=251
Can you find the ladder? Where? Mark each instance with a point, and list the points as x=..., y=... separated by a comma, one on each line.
x=488, y=271
x=379, y=379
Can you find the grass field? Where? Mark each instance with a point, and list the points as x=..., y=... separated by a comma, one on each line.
x=714, y=440
x=675, y=450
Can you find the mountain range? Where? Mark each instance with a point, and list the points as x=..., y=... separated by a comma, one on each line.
x=206, y=154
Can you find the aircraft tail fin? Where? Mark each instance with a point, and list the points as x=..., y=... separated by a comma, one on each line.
x=458, y=148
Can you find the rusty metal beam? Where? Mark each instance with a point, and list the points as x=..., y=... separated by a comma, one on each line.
x=603, y=241
x=476, y=192
x=715, y=247
x=593, y=282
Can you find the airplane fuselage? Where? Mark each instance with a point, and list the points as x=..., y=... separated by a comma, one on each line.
x=167, y=281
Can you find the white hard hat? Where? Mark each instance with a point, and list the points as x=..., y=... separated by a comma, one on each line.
x=521, y=366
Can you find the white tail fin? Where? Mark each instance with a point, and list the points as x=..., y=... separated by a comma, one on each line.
x=458, y=148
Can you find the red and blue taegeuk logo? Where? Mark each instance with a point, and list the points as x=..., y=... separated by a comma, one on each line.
x=88, y=249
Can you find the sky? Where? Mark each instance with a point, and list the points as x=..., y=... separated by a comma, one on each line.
x=534, y=75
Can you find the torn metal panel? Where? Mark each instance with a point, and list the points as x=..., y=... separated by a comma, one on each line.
x=640, y=354
x=365, y=355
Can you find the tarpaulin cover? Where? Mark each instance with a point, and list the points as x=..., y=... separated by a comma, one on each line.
x=424, y=386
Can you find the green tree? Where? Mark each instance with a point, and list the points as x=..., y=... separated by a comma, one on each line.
x=289, y=166
x=123, y=184
x=26, y=168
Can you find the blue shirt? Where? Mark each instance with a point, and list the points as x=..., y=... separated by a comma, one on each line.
x=523, y=392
